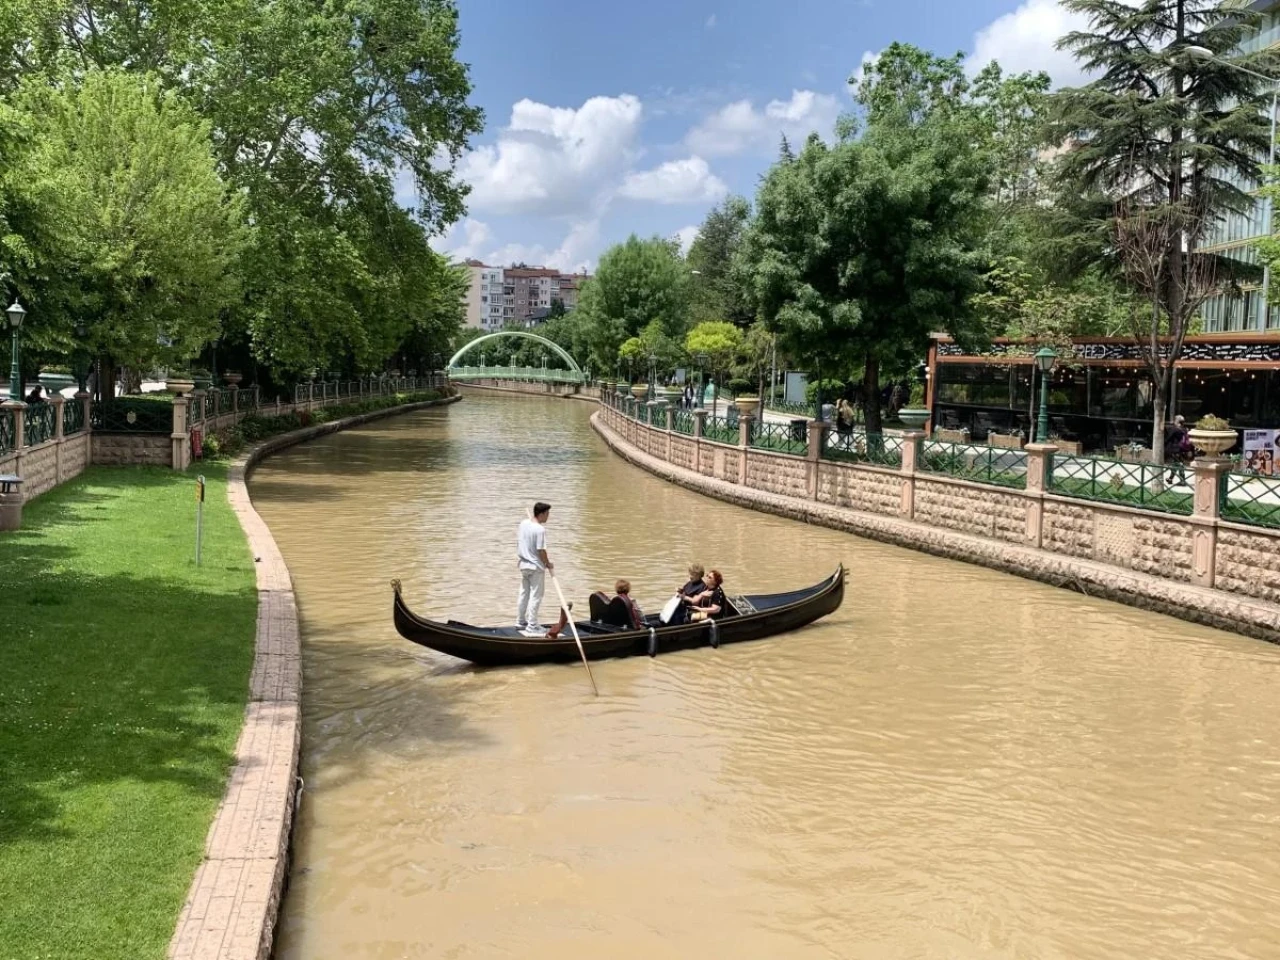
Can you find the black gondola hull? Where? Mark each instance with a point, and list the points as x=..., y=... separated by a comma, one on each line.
x=488, y=646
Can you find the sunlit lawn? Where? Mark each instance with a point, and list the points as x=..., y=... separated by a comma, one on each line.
x=123, y=679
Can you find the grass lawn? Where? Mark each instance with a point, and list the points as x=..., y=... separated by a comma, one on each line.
x=123, y=679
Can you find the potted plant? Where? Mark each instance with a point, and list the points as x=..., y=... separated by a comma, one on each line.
x=203, y=379
x=1212, y=436
x=179, y=383
x=639, y=390
x=1072, y=447
x=233, y=379
x=915, y=414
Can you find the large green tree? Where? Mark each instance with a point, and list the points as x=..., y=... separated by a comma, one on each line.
x=713, y=291
x=147, y=252
x=320, y=115
x=1164, y=145
x=637, y=283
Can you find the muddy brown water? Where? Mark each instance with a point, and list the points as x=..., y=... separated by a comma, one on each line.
x=958, y=764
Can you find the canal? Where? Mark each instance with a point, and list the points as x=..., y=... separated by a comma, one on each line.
x=958, y=764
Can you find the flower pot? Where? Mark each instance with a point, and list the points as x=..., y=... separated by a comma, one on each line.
x=639, y=390
x=913, y=417
x=233, y=378
x=179, y=385
x=202, y=381
x=56, y=382
x=747, y=406
x=1212, y=443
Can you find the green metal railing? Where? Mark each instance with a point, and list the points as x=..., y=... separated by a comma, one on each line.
x=796, y=409
x=72, y=417
x=720, y=430
x=41, y=423
x=8, y=432
x=1247, y=498
x=1144, y=485
x=875, y=448
x=682, y=422
x=550, y=375
x=779, y=437
x=129, y=415
x=993, y=465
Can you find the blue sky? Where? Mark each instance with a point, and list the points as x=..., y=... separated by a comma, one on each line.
x=604, y=119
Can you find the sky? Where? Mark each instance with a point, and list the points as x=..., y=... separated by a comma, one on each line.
x=607, y=119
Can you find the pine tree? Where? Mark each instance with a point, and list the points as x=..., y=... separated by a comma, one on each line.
x=1162, y=146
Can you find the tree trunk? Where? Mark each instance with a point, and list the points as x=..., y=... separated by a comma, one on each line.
x=871, y=393
x=1160, y=386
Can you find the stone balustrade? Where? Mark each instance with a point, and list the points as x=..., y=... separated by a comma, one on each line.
x=1201, y=550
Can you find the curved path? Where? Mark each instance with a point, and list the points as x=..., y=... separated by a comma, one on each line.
x=231, y=907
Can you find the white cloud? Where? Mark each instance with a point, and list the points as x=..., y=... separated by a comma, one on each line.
x=677, y=181
x=739, y=127
x=466, y=239
x=686, y=236
x=1025, y=40
x=554, y=160
x=711, y=22
x=574, y=253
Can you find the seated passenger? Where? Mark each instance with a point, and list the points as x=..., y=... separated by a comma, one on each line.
x=623, y=589
x=695, y=586
x=711, y=601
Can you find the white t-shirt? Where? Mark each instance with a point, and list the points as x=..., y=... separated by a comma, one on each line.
x=530, y=538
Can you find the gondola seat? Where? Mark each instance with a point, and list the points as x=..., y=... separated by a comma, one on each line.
x=613, y=613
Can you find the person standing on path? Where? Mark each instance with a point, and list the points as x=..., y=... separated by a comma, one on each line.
x=531, y=553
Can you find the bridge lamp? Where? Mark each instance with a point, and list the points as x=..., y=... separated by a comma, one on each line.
x=1045, y=358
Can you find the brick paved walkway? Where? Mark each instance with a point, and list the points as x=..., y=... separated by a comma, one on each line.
x=231, y=908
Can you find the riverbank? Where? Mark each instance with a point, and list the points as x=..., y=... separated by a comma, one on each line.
x=125, y=682
x=123, y=678
x=1216, y=608
x=233, y=901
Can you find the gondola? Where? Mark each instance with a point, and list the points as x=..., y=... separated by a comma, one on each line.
x=752, y=617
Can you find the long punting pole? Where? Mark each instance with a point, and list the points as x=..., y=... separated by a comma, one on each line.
x=574, y=627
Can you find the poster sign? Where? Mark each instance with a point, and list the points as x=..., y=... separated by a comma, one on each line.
x=1260, y=451
x=795, y=387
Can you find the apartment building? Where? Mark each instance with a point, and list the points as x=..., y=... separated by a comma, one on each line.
x=499, y=296
x=1234, y=236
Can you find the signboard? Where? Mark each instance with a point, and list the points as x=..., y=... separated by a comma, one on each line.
x=1260, y=451
x=1265, y=352
x=197, y=443
x=681, y=375
x=796, y=384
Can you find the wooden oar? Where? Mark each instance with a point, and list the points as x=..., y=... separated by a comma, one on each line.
x=574, y=627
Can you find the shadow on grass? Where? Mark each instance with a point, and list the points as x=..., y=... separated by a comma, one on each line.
x=119, y=665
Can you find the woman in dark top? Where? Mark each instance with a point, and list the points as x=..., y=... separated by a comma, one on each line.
x=711, y=601
x=693, y=588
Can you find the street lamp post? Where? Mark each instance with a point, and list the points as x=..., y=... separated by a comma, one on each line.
x=702, y=362
x=82, y=356
x=1205, y=54
x=653, y=375
x=1045, y=359
x=16, y=314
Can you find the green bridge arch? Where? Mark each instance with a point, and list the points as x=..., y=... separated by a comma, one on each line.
x=558, y=350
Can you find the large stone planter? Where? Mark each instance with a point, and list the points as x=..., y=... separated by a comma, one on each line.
x=1005, y=441
x=747, y=406
x=56, y=382
x=913, y=417
x=1212, y=443
x=639, y=390
x=233, y=378
x=179, y=385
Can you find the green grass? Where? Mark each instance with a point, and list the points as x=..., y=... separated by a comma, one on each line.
x=123, y=679
x=1125, y=494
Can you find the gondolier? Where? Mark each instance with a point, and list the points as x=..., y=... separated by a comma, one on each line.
x=531, y=557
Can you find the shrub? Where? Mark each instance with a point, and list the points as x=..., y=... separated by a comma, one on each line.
x=741, y=387
x=916, y=399
x=831, y=389
x=1210, y=422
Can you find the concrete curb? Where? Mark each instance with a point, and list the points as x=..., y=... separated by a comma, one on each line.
x=232, y=904
x=1214, y=608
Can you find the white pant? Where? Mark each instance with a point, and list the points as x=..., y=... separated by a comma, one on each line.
x=532, y=583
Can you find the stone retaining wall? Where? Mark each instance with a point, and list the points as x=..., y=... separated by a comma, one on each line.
x=1147, y=559
x=132, y=449
x=233, y=902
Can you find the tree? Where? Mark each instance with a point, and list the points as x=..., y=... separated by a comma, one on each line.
x=1170, y=146
x=719, y=342
x=317, y=113
x=859, y=251
x=637, y=282
x=714, y=292
x=755, y=355
x=151, y=239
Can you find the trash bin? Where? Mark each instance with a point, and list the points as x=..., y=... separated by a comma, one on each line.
x=10, y=501
x=800, y=430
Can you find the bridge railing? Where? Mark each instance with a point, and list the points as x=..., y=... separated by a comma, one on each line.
x=540, y=374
